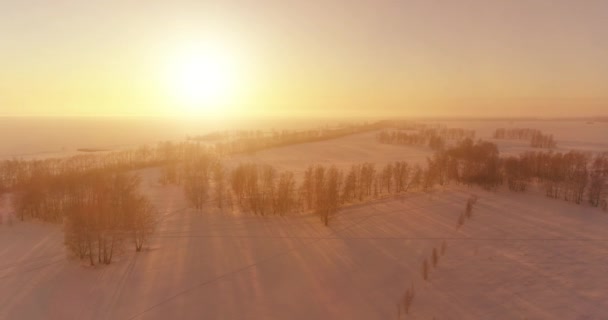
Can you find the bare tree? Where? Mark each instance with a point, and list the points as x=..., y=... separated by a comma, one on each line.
x=401, y=174
x=196, y=180
x=237, y=181
x=140, y=220
x=435, y=258
x=308, y=185
x=408, y=298
x=387, y=177
x=285, y=201
x=330, y=199
x=366, y=177
x=469, y=206
x=425, y=270
x=349, y=188
x=598, y=184
x=252, y=189
x=219, y=182
x=416, y=180
x=268, y=188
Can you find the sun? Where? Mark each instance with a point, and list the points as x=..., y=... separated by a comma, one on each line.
x=204, y=79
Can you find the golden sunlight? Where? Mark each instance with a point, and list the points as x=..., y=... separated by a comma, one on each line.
x=204, y=79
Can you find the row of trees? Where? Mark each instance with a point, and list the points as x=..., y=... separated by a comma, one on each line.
x=322, y=190
x=438, y=129
x=571, y=176
x=17, y=174
x=434, y=137
x=39, y=187
x=540, y=140
x=515, y=133
x=252, y=141
x=536, y=137
x=404, y=304
x=263, y=190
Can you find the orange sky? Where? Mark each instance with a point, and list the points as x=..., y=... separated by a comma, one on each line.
x=419, y=58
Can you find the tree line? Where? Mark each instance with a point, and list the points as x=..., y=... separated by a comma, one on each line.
x=322, y=190
x=536, y=137
x=40, y=186
x=255, y=140
x=16, y=173
x=574, y=176
x=433, y=137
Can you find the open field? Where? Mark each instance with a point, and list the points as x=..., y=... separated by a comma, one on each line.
x=342, y=152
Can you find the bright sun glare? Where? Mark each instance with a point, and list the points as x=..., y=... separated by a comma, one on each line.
x=204, y=79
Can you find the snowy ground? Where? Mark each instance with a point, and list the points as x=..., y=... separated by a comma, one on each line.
x=521, y=256
x=342, y=152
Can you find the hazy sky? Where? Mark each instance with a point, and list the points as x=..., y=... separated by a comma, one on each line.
x=423, y=57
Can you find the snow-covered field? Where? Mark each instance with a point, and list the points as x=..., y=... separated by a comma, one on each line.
x=569, y=134
x=342, y=152
x=521, y=256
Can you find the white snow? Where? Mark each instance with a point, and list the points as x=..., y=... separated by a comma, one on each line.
x=521, y=256
x=342, y=152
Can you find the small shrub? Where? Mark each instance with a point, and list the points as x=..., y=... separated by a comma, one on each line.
x=425, y=270
x=460, y=221
x=469, y=207
x=408, y=298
